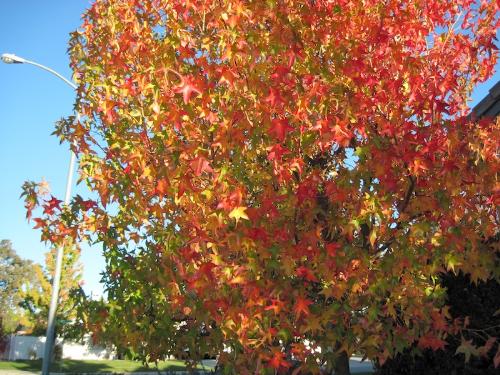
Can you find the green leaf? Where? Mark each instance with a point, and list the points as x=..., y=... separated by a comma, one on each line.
x=467, y=348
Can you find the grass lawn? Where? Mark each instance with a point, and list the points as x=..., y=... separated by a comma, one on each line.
x=117, y=366
x=70, y=365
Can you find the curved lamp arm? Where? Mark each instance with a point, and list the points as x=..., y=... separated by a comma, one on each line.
x=10, y=58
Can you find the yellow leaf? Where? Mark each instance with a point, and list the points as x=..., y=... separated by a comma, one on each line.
x=146, y=173
x=373, y=237
x=238, y=213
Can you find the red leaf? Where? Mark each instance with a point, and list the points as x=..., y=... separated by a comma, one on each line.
x=279, y=129
x=306, y=274
x=342, y=135
x=186, y=88
x=276, y=306
x=278, y=360
x=331, y=248
x=280, y=73
x=39, y=223
x=206, y=269
x=302, y=306
x=276, y=152
x=432, y=342
x=52, y=204
x=274, y=98
x=200, y=165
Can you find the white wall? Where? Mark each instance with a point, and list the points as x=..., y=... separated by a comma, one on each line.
x=25, y=347
x=31, y=347
x=73, y=350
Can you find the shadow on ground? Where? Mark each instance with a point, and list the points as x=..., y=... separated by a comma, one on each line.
x=76, y=366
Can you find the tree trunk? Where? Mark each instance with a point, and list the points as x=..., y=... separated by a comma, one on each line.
x=341, y=366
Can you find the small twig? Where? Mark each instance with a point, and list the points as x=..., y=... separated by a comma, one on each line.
x=408, y=194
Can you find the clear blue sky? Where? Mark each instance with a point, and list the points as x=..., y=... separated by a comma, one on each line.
x=31, y=100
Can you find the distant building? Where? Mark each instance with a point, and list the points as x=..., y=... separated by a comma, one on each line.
x=490, y=105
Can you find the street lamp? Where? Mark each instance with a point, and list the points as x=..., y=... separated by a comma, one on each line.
x=10, y=58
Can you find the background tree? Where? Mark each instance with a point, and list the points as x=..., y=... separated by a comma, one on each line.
x=470, y=355
x=287, y=177
x=15, y=274
x=36, y=297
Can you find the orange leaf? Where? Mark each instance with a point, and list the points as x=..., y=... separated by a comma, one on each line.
x=302, y=306
x=200, y=165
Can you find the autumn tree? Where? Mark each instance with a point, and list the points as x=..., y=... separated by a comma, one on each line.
x=281, y=181
x=37, y=294
x=15, y=274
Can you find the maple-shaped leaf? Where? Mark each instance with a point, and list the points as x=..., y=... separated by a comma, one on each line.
x=162, y=186
x=279, y=128
x=438, y=320
x=276, y=152
x=51, y=205
x=278, y=360
x=306, y=273
x=276, y=306
x=200, y=165
x=342, y=135
x=419, y=166
x=206, y=269
x=186, y=88
x=331, y=248
x=431, y=341
x=39, y=223
x=467, y=348
x=280, y=72
x=227, y=76
x=87, y=204
x=274, y=98
x=238, y=213
x=313, y=325
x=301, y=306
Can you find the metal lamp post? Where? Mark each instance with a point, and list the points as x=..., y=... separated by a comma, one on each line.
x=10, y=58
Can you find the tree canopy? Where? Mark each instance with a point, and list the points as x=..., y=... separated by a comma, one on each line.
x=281, y=181
x=26, y=287
x=36, y=296
x=15, y=274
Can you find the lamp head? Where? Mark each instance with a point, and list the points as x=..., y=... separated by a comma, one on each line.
x=10, y=58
